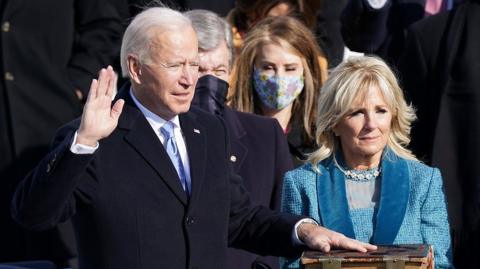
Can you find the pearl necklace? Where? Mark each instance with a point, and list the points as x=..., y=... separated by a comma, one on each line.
x=359, y=175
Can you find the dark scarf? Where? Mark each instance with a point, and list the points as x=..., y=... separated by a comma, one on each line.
x=210, y=94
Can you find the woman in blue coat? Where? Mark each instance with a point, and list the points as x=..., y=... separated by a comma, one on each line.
x=363, y=181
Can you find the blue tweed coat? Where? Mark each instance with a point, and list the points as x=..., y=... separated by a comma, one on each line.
x=411, y=206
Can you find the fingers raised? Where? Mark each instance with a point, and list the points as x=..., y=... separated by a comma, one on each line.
x=117, y=109
x=92, y=93
x=103, y=82
x=112, y=87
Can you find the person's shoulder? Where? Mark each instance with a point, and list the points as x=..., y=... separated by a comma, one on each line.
x=254, y=125
x=305, y=171
x=418, y=166
x=203, y=116
x=254, y=119
x=422, y=173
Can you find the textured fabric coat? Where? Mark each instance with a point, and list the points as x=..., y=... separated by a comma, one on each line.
x=411, y=206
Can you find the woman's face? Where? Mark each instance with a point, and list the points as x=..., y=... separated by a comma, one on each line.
x=273, y=59
x=364, y=130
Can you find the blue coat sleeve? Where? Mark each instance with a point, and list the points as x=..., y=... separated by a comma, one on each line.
x=291, y=203
x=434, y=222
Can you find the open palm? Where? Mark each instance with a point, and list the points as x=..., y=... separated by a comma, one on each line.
x=99, y=117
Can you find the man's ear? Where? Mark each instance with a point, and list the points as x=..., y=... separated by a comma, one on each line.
x=134, y=68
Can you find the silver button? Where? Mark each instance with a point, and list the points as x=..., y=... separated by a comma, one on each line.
x=233, y=158
x=6, y=26
x=9, y=76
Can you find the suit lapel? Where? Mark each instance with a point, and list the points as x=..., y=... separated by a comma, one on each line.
x=332, y=200
x=195, y=140
x=141, y=137
x=394, y=196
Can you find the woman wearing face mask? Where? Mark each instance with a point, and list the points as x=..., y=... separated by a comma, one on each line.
x=279, y=74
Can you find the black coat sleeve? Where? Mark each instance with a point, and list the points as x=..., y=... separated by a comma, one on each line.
x=47, y=195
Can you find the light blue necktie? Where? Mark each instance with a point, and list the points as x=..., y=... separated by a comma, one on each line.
x=171, y=147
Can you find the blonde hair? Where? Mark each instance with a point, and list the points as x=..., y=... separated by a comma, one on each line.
x=348, y=81
x=292, y=35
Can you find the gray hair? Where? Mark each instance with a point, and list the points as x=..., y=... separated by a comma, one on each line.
x=138, y=35
x=211, y=30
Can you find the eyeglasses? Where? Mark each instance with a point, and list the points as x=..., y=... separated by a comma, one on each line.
x=176, y=67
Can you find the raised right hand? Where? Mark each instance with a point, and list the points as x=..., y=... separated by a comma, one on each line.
x=99, y=118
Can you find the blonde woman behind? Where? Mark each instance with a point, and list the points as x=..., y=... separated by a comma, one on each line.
x=363, y=181
x=279, y=74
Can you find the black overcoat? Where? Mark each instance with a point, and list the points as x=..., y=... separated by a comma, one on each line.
x=129, y=208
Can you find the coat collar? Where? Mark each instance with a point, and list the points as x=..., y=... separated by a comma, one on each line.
x=394, y=194
x=140, y=136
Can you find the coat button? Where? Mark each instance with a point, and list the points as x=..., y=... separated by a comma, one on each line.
x=189, y=221
x=9, y=76
x=233, y=158
x=6, y=26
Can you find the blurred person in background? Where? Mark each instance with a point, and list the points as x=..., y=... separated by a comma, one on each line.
x=379, y=26
x=258, y=149
x=278, y=74
x=247, y=13
x=441, y=75
x=49, y=53
x=328, y=30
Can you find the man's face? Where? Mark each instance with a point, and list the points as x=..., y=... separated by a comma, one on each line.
x=215, y=62
x=166, y=82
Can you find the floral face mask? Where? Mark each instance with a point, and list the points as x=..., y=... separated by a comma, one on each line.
x=277, y=92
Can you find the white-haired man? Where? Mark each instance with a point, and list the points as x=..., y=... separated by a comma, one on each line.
x=154, y=188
